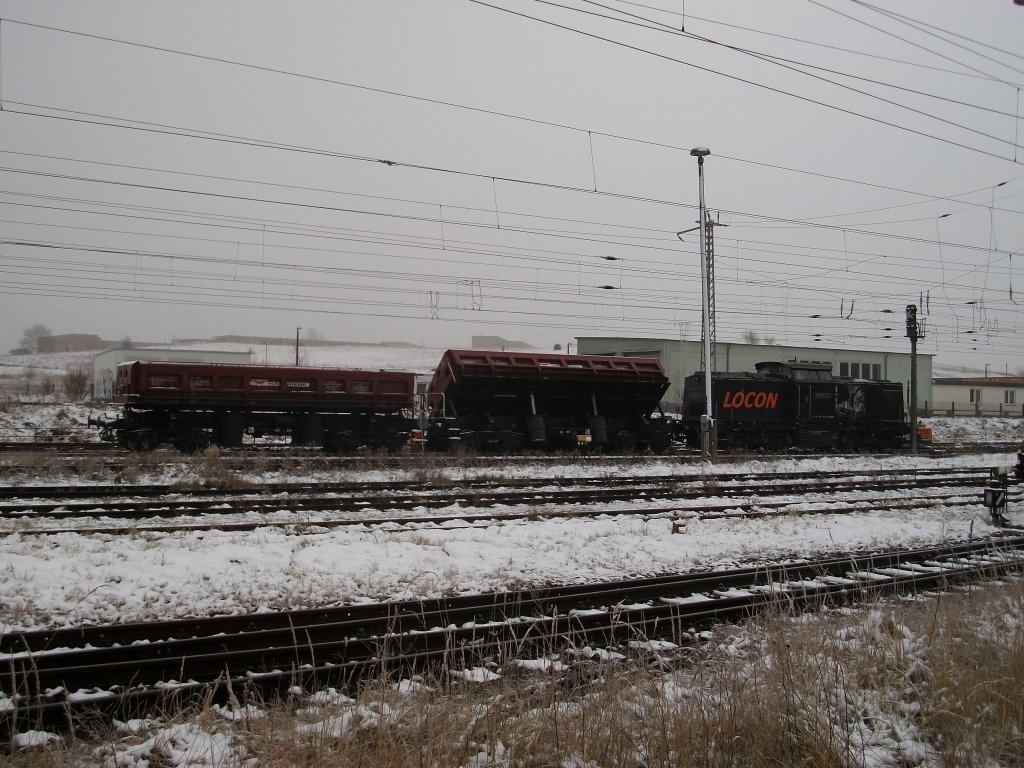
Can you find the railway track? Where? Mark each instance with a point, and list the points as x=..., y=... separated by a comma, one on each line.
x=647, y=496
x=62, y=678
x=281, y=456
x=680, y=515
x=721, y=479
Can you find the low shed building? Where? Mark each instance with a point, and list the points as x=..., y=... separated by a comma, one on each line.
x=979, y=396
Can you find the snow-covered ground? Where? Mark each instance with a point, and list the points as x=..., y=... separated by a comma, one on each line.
x=70, y=578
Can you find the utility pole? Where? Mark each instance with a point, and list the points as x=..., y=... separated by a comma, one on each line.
x=709, y=436
x=708, y=428
x=297, y=344
x=915, y=331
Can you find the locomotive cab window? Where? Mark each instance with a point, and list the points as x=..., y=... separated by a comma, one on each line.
x=799, y=375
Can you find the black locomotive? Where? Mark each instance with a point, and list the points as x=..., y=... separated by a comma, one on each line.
x=782, y=405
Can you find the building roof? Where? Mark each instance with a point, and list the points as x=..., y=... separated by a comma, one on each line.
x=724, y=343
x=983, y=381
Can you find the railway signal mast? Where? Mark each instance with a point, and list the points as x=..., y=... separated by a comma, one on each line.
x=915, y=331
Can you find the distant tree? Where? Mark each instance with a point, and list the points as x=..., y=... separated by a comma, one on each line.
x=76, y=384
x=769, y=340
x=557, y=347
x=126, y=342
x=30, y=337
x=751, y=337
x=28, y=380
x=314, y=334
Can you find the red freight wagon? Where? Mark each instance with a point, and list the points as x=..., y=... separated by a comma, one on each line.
x=509, y=400
x=194, y=404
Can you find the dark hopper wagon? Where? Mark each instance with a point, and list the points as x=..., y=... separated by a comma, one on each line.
x=507, y=401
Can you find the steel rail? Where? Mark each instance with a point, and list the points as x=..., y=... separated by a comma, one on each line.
x=457, y=630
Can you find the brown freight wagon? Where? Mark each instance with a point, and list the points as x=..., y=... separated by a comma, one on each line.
x=190, y=405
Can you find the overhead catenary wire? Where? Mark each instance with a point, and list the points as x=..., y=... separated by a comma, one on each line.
x=815, y=43
x=911, y=43
x=440, y=216
x=747, y=81
x=432, y=219
x=789, y=64
x=946, y=34
x=231, y=62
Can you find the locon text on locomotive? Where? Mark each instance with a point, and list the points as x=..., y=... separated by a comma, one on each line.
x=743, y=399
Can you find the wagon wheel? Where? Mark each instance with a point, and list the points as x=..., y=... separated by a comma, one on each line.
x=626, y=442
x=659, y=442
x=139, y=443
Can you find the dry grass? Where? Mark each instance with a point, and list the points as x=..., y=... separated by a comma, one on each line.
x=936, y=682
x=208, y=470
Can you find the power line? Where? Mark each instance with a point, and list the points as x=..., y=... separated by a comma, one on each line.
x=784, y=62
x=498, y=113
x=873, y=56
x=918, y=24
x=927, y=195
x=909, y=42
x=432, y=219
x=747, y=81
x=404, y=95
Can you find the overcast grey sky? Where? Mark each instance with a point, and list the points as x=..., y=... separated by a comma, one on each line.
x=426, y=171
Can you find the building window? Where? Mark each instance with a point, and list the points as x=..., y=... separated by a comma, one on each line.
x=1010, y=396
x=855, y=370
x=876, y=371
x=844, y=369
x=975, y=395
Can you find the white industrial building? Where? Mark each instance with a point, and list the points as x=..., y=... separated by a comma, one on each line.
x=104, y=365
x=681, y=358
x=979, y=396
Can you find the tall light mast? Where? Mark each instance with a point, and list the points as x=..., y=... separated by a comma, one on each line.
x=707, y=270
